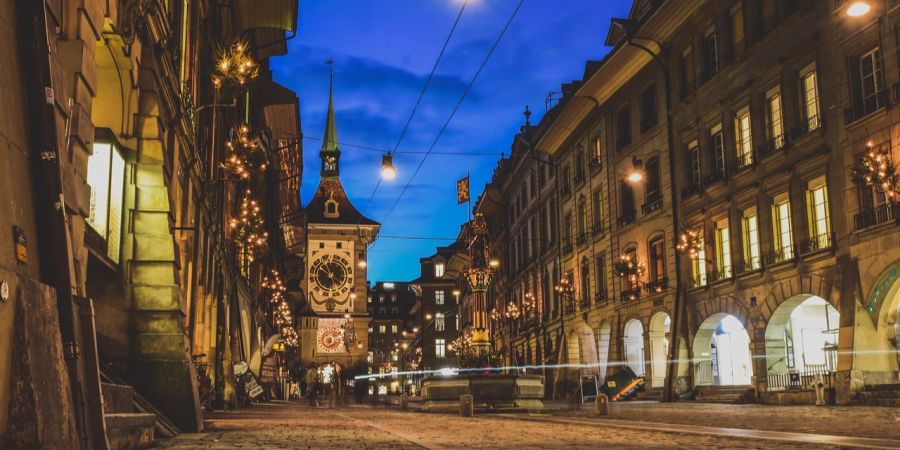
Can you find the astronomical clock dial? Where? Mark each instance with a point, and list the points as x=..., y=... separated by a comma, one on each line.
x=330, y=339
x=331, y=275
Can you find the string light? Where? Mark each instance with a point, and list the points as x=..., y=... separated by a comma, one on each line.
x=690, y=242
x=875, y=168
x=273, y=289
x=244, y=153
x=248, y=229
x=629, y=267
x=235, y=66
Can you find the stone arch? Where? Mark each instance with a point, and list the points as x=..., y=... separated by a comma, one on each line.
x=812, y=284
x=721, y=350
x=604, y=338
x=877, y=344
x=801, y=335
x=633, y=345
x=659, y=333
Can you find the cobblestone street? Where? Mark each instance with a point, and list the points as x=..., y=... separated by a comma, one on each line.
x=281, y=426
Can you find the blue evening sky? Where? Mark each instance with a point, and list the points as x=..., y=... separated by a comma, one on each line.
x=383, y=51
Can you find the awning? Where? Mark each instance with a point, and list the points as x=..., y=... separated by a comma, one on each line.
x=278, y=14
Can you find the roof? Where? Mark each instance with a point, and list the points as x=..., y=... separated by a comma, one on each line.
x=347, y=214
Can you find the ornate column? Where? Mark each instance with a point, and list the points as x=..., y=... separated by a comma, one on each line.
x=479, y=276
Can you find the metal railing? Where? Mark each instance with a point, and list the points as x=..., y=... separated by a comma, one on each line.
x=780, y=255
x=799, y=380
x=821, y=242
x=657, y=285
x=877, y=215
x=771, y=146
x=626, y=218
x=652, y=204
x=630, y=294
x=748, y=266
x=703, y=373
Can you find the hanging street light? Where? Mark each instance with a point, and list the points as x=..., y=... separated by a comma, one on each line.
x=858, y=9
x=388, y=172
x=637, y=170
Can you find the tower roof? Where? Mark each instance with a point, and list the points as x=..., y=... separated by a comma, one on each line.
x=329, y=140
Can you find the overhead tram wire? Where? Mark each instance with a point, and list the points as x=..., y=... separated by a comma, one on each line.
x=406, y=152
x=421, y=94
x=455, y=109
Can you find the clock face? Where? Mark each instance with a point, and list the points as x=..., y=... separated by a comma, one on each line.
x=330, y=339
x=331, y=276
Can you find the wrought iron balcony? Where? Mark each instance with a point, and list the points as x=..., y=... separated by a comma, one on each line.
x=748, y=266
x=657, y=285
x=601, y=296
x=626, y=219
x=866, y=106
x=597, y=229
x=821, y=242
x=580, y=240
x=699, y=280
x=745, y=160
x=771, y=146
x=720, y=275
x=652, y=204
x=875, y=216
x=567, y=248
x=780, y=255
x=630, y=295
x=692, y=188
x=584, y=303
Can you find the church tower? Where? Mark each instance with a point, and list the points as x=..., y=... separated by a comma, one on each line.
x=334, y=327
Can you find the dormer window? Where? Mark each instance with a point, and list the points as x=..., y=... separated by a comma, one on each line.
x=439, y=270
x=331, y=208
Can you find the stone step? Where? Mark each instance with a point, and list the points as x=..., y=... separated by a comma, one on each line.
x=882, y=387
x=129, y=430
x=878, y=394
x=117, y=398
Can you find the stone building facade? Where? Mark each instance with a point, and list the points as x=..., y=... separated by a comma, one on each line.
x=710, y=159
x=116, y=134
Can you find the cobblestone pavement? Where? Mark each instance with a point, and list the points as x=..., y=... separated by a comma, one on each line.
x=284, y=426
x=858, y=421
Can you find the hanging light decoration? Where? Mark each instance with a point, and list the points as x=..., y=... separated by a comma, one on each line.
x=690, y=243
x=235, y=66
x=244, y=153
x=388, y=171
x=248, y=229
x=875, y=168
x=629, y=267
x=273, y=289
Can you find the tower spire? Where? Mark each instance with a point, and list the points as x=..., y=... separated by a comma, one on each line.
x=330, y=153
x=330, y=142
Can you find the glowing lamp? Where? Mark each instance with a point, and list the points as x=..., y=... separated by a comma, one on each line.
x=388, y=172
x=857, y=9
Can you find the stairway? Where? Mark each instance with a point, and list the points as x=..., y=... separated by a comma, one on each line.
x=650, y=394
x=125, y=428
x=724, y=394
x=879, y=395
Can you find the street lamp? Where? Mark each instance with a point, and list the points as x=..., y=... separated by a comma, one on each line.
x=637, y=170
x=858, y=9
x=388, y=172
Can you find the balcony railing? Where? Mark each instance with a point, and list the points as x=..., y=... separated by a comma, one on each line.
x=570, y=308
x=748, y=266
x=721, y=274
x=779, y=256
x=877, y=215
x=744, y=160
x=567, y=248
x=654, y=203
x=692, y=188
x=630, y=295
x=601, y=295
x=799, y=380
x=597, y=229
x=584, y=303
x=771, y=146
x=626, y=219
x=699, y=280
x=580, y=240
x=866, y=106
x=821, y=242
x=811, y=123
x=657, y=285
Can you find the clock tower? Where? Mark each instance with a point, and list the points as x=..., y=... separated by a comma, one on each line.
x=334, y=326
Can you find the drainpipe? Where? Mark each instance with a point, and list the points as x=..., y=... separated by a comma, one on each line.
x=679, y=310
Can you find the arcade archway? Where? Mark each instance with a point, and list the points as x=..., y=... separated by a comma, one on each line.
x=660, y=326
x=802, y=338
x=722, y=352
x=633, y=345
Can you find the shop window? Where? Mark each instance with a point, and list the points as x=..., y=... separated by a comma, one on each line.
x=106, y=179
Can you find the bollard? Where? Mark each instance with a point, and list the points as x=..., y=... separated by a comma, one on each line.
x=404, y=402
x=820, y=391
x=466, y=406
x=601, y=405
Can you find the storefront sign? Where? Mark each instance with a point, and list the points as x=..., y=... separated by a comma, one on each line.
x=253, y=388
x=4, y=291
x=21, y=245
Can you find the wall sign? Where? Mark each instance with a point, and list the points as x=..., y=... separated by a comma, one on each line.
x=4, y=291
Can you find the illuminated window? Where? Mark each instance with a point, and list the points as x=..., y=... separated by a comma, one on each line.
x=723, y=248
x=439, y=269
x=774, y=123
x=698, y=264
x=394, y=329
x=382, y=329
x=370, y=357
x=743, y=138
x=438, y=297
x=440, y=348
x=810, y=89
x=439, y=322
x=781, y=224
x=750, y=240
x=817, y=209
x=106, y=178
x=718, y=148
x=395, y=356
x=696, y=172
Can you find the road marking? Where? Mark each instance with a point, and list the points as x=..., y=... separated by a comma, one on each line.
x=806, y=438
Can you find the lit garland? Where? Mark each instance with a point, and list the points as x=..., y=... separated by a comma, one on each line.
x=273, y=289
x=529, y=305
x=628, y=267
x=235, y=66
x=511, y=312
x=244, y=153
x=691, y=243
x=875, y=168
x=249, y=228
